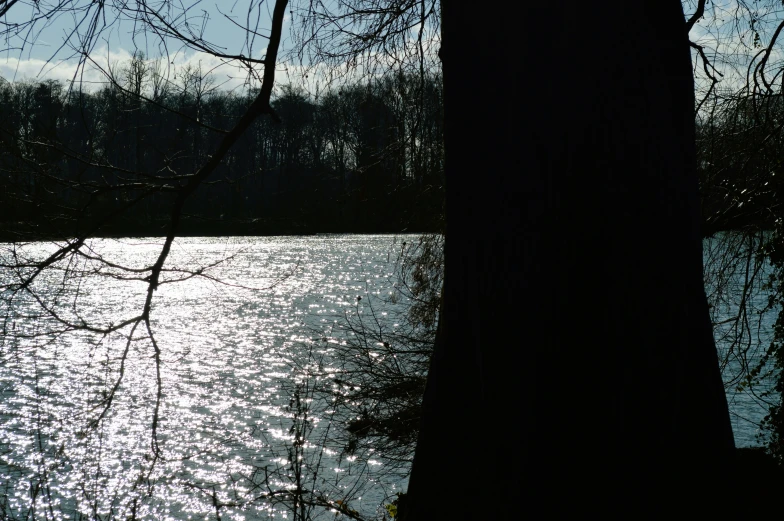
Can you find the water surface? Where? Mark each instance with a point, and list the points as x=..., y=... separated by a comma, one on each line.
x=231, y=335
x=229, y=342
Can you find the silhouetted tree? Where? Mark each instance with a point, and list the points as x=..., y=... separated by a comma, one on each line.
x=578, y=259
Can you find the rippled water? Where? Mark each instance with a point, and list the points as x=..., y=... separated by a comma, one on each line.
x=228, y=356
x=734, y=273
x=225, y=350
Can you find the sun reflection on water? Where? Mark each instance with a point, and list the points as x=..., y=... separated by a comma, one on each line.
x=226, y=356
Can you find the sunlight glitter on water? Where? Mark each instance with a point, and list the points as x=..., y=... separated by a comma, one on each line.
x=226, y=352
x=227, y=370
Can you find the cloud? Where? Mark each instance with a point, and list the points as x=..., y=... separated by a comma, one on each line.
x=226, y=75
x=36, y=69
x=92, y=75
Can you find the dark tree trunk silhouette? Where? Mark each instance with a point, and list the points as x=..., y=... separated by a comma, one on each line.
x=575, y=353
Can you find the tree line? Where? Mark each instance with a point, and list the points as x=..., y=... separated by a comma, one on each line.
x=365, y=157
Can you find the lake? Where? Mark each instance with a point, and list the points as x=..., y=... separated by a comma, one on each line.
x=733, y=273
x=225, y=351
x=229, y=343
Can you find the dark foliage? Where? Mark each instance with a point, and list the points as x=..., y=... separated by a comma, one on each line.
x=357, y=159
x=739, y=144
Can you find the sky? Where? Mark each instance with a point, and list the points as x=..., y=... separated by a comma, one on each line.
x=37, y=53
x=45, y=49
x=727, y=34
x=27, y=55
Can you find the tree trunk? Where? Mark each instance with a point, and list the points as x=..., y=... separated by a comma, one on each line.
x=575, y=352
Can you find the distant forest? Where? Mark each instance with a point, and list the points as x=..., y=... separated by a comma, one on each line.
x=361, y=158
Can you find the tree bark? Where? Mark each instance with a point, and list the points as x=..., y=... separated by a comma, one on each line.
x=575, y=353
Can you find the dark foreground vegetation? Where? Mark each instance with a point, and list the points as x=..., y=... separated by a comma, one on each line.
x=739, y=148
x=361, y=158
